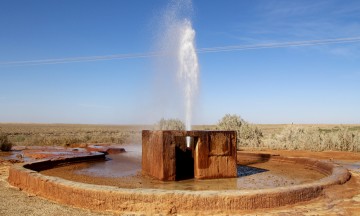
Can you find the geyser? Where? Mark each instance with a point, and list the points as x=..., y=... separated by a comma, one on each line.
x=179, y=68
x=188, y=71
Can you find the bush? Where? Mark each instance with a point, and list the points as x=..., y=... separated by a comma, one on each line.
x=170, y=124
x=294, y=138
x=5, y=144
x=248, y=135
x=68, y=135
x=77, y=138
x=314, y=139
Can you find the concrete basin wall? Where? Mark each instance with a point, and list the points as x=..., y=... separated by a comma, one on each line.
x=109, y=198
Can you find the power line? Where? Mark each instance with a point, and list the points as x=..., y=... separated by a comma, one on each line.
x=82, y=59
x=280, y=45
x=200, y=50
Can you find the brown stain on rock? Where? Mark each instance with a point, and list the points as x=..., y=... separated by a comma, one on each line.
x=213, y=152
x=151, y=201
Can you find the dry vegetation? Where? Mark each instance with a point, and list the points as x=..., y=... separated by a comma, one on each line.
x=70, y=134
x=315, y=138
x=170, y=124
x=5, y=144
x=248, y=135
x=280, y=136
x=293, y=137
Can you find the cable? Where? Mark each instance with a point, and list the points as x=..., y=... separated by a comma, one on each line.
x=279, y=45
x=162, y=53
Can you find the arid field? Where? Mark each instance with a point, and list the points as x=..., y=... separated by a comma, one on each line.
x=314, y=137
x=336, y=143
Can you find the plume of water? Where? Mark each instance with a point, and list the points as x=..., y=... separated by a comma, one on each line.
x=176, y=38
x=188, y=70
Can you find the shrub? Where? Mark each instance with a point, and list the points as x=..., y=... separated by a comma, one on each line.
x=170, y=124
x=77, y=138
x=294, y=138
x=5, y=144
x=68, y=135
x=248, y=135
x=314, y=139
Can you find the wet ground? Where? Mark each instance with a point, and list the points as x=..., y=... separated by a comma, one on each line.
x=16, y=156
x=117, y=165
x=336, y=200
x=350, y=165
x=123, y=170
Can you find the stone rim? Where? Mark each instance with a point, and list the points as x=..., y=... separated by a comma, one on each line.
x=159, y=200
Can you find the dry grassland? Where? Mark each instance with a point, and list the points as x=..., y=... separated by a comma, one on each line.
x=70, y=134
x=314, y=137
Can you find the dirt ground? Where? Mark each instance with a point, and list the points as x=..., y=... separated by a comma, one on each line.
x=16, y=202
x=336, y=200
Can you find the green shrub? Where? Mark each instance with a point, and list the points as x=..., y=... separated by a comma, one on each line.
x=248, y=135
x=5, y=144
x=170, y=124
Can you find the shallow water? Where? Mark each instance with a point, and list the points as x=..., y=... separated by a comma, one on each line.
x=123, y=170
x=14, y=155
x=116, y=165
x=350, y=165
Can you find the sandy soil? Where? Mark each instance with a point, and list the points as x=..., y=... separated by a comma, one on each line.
x=336, y=200
x=15, y=202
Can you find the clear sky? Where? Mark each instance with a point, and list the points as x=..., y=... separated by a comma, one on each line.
x=306, y=84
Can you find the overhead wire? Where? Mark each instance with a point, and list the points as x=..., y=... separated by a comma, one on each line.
x=279, y=45
x=163, y=53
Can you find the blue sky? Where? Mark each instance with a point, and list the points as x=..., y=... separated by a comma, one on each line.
x=306, y=84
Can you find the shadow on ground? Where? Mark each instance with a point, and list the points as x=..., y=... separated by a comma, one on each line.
x=248, y=170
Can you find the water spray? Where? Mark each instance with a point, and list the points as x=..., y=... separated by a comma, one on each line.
x=177, y=41
x=188, y=71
